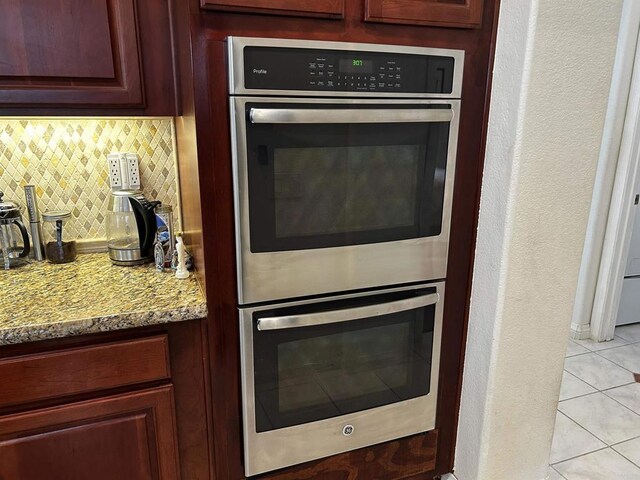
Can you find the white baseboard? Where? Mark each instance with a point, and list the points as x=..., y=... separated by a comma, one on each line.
x=580, y=331
x=449, y=476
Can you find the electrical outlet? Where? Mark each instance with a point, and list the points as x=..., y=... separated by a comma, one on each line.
x=133, y=165
x=115, y=175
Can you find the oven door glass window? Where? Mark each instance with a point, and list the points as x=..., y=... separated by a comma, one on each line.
x=318, y=185
x=322, y=371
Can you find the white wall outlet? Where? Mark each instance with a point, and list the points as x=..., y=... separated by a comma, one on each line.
x=133, y=165
x=115, y=175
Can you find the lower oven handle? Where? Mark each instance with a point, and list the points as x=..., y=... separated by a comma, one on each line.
x=347, y=314
x=354, y=115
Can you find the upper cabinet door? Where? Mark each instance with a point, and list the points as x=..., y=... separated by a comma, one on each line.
x=69, y=53
x=445, y=13
x=296, y=8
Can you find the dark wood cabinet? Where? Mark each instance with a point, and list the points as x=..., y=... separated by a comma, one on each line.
x=130, y=404
x=447, y=13
x=295, y=8
x=128, y=436
x=113, y=54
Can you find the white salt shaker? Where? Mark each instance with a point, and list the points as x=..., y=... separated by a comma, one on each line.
x=181, y=271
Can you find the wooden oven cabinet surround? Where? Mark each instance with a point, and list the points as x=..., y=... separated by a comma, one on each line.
x=208, y=204
x=448, y=13
x=92, y=56
x=124, y=405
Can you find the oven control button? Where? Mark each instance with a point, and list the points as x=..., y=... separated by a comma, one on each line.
x=347, y=430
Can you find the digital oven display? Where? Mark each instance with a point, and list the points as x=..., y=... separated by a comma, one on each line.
x=356, y=65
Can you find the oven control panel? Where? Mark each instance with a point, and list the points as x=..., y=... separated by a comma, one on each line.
x=302, y=69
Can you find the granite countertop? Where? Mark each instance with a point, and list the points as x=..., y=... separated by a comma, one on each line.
x=42, y=301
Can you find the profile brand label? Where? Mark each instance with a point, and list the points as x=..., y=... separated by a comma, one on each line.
x=259, y=71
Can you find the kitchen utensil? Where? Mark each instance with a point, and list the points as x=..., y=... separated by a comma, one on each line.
x=12, y=230
x=37, y=243
x=60, y=246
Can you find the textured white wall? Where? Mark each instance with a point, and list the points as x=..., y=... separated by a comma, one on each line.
x=551, y=83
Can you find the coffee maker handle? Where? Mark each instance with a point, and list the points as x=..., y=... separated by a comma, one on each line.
x=147, y=226
x=25, y=239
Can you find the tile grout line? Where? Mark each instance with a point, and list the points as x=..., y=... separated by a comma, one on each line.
x=561, y=476
x=623, y=455
x=586, y=430
x=578, y=456
x=631, y=410
x=615, y=363
x=589, y=453
x=589, y=431
x=610, y=388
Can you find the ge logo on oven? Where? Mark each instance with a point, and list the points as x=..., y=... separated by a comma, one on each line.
x=347, y=430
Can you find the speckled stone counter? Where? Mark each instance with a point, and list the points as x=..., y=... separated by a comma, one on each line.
x=41, y=301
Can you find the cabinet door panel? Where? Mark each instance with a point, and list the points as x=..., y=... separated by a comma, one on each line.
x=70, y=52
x=448, y=13
x=296, y=8
x=129, y=436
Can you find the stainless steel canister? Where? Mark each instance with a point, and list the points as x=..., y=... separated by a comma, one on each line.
x=35, y=226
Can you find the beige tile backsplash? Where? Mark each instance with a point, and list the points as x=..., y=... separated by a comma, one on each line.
x=66, y=158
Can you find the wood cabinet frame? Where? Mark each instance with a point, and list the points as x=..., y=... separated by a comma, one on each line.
x=295, y=8
x=467, y=14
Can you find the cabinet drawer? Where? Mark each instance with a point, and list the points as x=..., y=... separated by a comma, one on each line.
x=73, y=371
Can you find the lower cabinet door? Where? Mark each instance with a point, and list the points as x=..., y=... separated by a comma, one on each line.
x=130, y=436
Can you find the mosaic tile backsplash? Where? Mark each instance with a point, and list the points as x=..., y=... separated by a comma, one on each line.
x=66, y=158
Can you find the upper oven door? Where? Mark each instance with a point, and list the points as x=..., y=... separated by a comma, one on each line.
x=335, y=195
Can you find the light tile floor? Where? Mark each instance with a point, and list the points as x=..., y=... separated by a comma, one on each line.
x=597, y=434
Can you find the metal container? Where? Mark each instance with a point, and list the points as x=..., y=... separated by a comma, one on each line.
x=35, y=227
x=60, y=245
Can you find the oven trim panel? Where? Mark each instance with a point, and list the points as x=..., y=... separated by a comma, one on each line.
x=236, y=47
x=274, y=449
x=270, y=276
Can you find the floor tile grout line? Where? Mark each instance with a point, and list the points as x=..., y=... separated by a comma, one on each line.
x=628, y=342
x=553, y=465
x=581, y=395
x=631, y=410
x=578, y=456
x=624, y=441
x=577, y=354
x=623, y=455
x=609, y=360
x=584, y=428
x=561, y=476
x=602, y=440
x=599, y=390
x=589, y=431
x=577, y=396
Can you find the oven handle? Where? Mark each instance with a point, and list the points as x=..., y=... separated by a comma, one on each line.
x=360, y=115
x=347, y=314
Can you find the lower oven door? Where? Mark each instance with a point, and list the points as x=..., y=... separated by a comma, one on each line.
x=326, y=376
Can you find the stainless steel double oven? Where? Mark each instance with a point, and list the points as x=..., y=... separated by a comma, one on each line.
x=343, y=160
